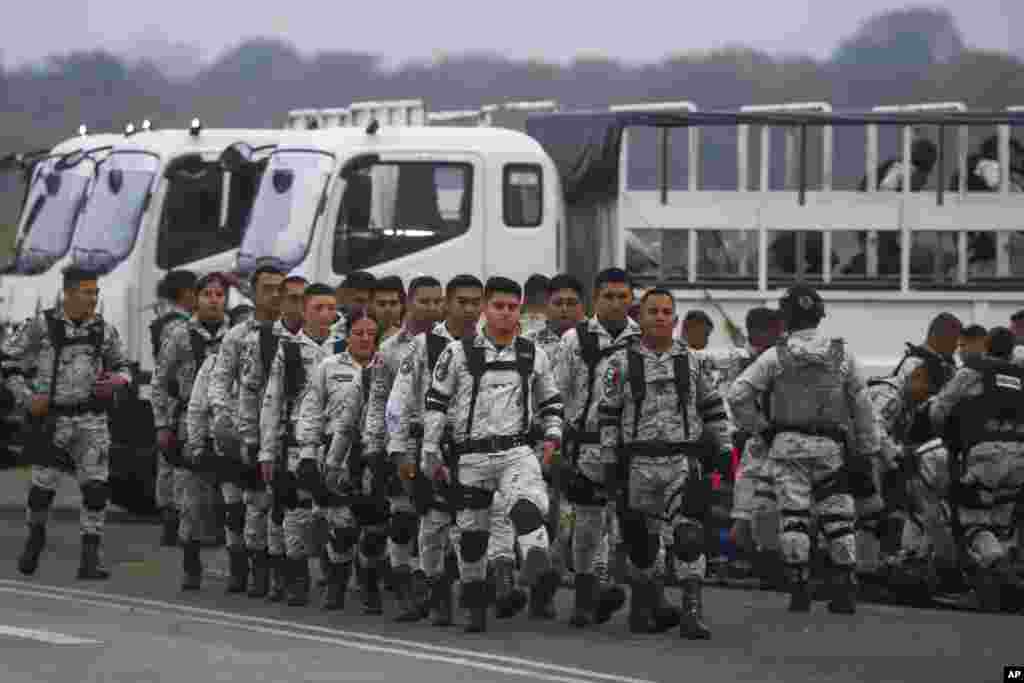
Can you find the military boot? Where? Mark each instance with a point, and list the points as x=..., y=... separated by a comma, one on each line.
x=28, y=563
x=420, y=593
x=509, y=599
x=692, y=625
x=370, y=583
x=666, y=617
x=798, y=578
x=278, y=566
x=844, y=592
x=641, y=605
x=192, y=566
x=337, y=574
x=988, y=589
x=260, y=573
x=542, y=595
x=169, y=533
x=584, y=600
x=238, y=564
x=401, y=578
x=298, y=582
x=610, y=599
x=474, y=597
x=90, y=567
x=440, y=600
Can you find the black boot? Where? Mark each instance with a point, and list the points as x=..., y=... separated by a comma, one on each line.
x=278, y=565
x=988, y=589
x=409, y=610
x=260, y=573
x=474, y=597
x=90, y=566
x=238, y=563
x=299, y=580
x=509, y=600
x=420, y=593
x=34, y=544
x=610, y=599
x=798, y=577
x=584, y=600
x=370, y=580
x=542, y=595
x=692, y=625
x=338, y=574
x=192, y=566
x=169, y=533
x=666, y=616
x=844, y=592
x=641, y=605
x=440, y=601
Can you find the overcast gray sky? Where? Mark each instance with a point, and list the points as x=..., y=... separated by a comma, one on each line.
x=408, y=29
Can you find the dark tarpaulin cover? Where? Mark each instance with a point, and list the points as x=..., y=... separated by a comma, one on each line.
x=585, y=145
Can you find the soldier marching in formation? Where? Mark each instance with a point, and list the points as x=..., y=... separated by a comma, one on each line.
x=433, y=432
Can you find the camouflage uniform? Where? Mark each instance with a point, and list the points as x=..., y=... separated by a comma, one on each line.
x=173, y=377
x=992, y=471
x=279, y=414
x=79, y=420
x=662, y=438
x=384, y=370
x=165, y=498
x=816, y=393
x=494, y=453
x=531, y=324
x=404, y=419
x=590, y=540
x=332, y=410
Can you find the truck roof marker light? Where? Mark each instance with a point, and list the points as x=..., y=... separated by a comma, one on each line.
x=83, y=130
x=147, y=125
x=129, y=129
x=195, y=127
x=373, y=127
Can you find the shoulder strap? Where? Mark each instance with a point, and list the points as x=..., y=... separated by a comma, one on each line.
x=475, y=364
x=681, y=370
x=340, y=345
x=293, y=370
x=367, y=380
x=268, y=347
x=199, y=345
x=435, y=345
x=55, y=330
x=526, y=356
x=637, y=385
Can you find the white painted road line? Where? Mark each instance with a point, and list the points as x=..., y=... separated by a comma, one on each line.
x=353, y=639
x=48, y=637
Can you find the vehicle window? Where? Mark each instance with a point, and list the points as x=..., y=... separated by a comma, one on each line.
x=522, y=196
x=398, y=208
x=190, y=227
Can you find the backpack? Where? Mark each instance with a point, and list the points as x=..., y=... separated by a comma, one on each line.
x=592, y=354
x=638, y=386
x=526, y=352
x=156, y=329
x=435, y=345
x=268, y=347
x=55, y=331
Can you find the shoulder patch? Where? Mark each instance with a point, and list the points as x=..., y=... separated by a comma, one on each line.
x=611, y=377
x=441, y=371
x=407, y=366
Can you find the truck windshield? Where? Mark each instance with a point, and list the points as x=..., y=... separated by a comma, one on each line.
x=288, y=202
x=114, y=211
x=56, y=195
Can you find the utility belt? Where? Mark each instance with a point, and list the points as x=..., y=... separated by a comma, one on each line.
x=833, y=432
x=87, y=407
x=578, y=438
x=494, y=444
x=663, y=449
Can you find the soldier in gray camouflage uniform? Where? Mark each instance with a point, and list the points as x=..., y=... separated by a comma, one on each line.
x=80, y=366
x=425, y=310
x=492, y=388
x=331, y=413
x=579, y=379
x=280, y=458
x=817, y=397
x=986, y=435
x=438, y=536
x=656, y=411
x=184, y=350
x=355, y=293
x=177, y=296
x=236, y=351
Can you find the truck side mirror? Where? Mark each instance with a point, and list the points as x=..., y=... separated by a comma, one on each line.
x=358, y=163
x=236, y=158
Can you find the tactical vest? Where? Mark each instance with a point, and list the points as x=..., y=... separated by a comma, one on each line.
x=636, y=367
x=592, y=354
x=59, y=341
x=808, y=394
x=998, y=413
x=268, y=348
x=156, y=328
x=526, y=352
x=200, y=346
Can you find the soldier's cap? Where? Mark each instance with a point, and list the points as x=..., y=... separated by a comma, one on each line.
x=213, y=279
x=175, y=282
x=359, y=280
x=74, y=275
x=802, y=297
x=1001, y=342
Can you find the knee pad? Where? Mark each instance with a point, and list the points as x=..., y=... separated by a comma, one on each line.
x=344, y=539
x=688, y=541
x=40, y=499
x=643, y=552
x=373, y=544
x=473, y=545
x=95, y=495
x=526, y=517
x=234, y=517
x=403, y=527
